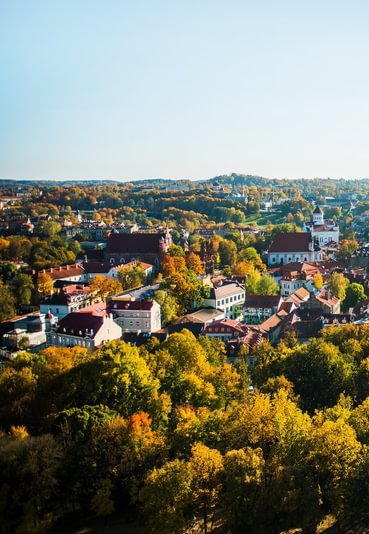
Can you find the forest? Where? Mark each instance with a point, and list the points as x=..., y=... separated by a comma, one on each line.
x=171, y=437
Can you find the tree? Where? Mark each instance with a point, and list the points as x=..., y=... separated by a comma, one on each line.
x=49, y=229
x=166, y=497
x=168, y=306
x=318, y=281
x=8, y=270
x=347, y=248
x=267, y=285
x=338, y=285
x=8, y=303
x=105, y=287
x=130, y=277
x=206, y=467
x=251, y=255
x=194, y=263
x=227, y=252
x=102, y=503
x=23, y=286
x=355, y=294
x=45, y=285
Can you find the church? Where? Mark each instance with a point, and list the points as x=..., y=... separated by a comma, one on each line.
x=322, y=231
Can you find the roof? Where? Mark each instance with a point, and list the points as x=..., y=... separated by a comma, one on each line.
x=227, y=326
x=134, y=243
x=326, y=298
x=131, y=304
x=318, y=210
x=226, y=290
x=206, y=314
x=291, y=242
x=79, y=323
x=262, y=301
x=97, y=267
x=64, y=271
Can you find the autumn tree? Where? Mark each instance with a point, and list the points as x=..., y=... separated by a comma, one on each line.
x=132, y=277
x=338, y=284
x=105, y=287
x=194, y=263
x=45, y=285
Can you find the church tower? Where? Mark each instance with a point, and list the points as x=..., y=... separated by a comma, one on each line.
x=318, y=217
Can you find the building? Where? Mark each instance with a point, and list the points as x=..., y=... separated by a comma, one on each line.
x=68, y=299
x=89, y=329
x=146, y=247
x=324, y=301
x=67, y=273
x=322, y=231
x=293, y=247
x=258, y=308
x=229, y=298
x=136, y=316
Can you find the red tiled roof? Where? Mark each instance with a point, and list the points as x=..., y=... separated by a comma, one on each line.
x=291, y=242
x=65, y=271
x=134, y=243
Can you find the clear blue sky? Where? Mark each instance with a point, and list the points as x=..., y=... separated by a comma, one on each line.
x=183, y=89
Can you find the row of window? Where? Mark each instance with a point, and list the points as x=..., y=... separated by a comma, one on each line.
x=230, y=299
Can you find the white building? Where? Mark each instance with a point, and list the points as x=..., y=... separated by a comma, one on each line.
x=229, y=297
x=85, y=329
x=136, y=316
x=322, y=231
x=293, y=247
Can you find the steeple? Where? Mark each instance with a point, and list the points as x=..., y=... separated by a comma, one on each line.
x=318, y=216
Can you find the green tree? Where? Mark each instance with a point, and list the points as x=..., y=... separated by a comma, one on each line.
x=132, y=277
x=23, y=286
x=355, y=294
x=338, y=285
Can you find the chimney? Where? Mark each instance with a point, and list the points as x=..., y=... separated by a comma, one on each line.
x=51, y=269
x=67, y=267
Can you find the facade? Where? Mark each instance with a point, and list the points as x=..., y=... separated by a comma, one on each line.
x=322, y=231
x=69, y=299
x=84, y=329
x=229, y=298
x=293, y=247
x=136, y=316
x=147, y=247
x=258, y=308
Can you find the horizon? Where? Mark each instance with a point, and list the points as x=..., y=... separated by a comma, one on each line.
x=183, y=92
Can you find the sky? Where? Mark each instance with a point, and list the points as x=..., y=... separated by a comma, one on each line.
x=116, y=89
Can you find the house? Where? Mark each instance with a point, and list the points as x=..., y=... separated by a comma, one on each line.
x=136, y=316
x=324, y=301
x=68, y=299
x=322, y=231
x=69, y=273
x=295, y=275
x=273, y=327
x=147, y=247
x=293, y=247
x=89, y=329
x=228, y=297
x=23, y=332
x=196, y=321
x=225, y=329
x=258, y=308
